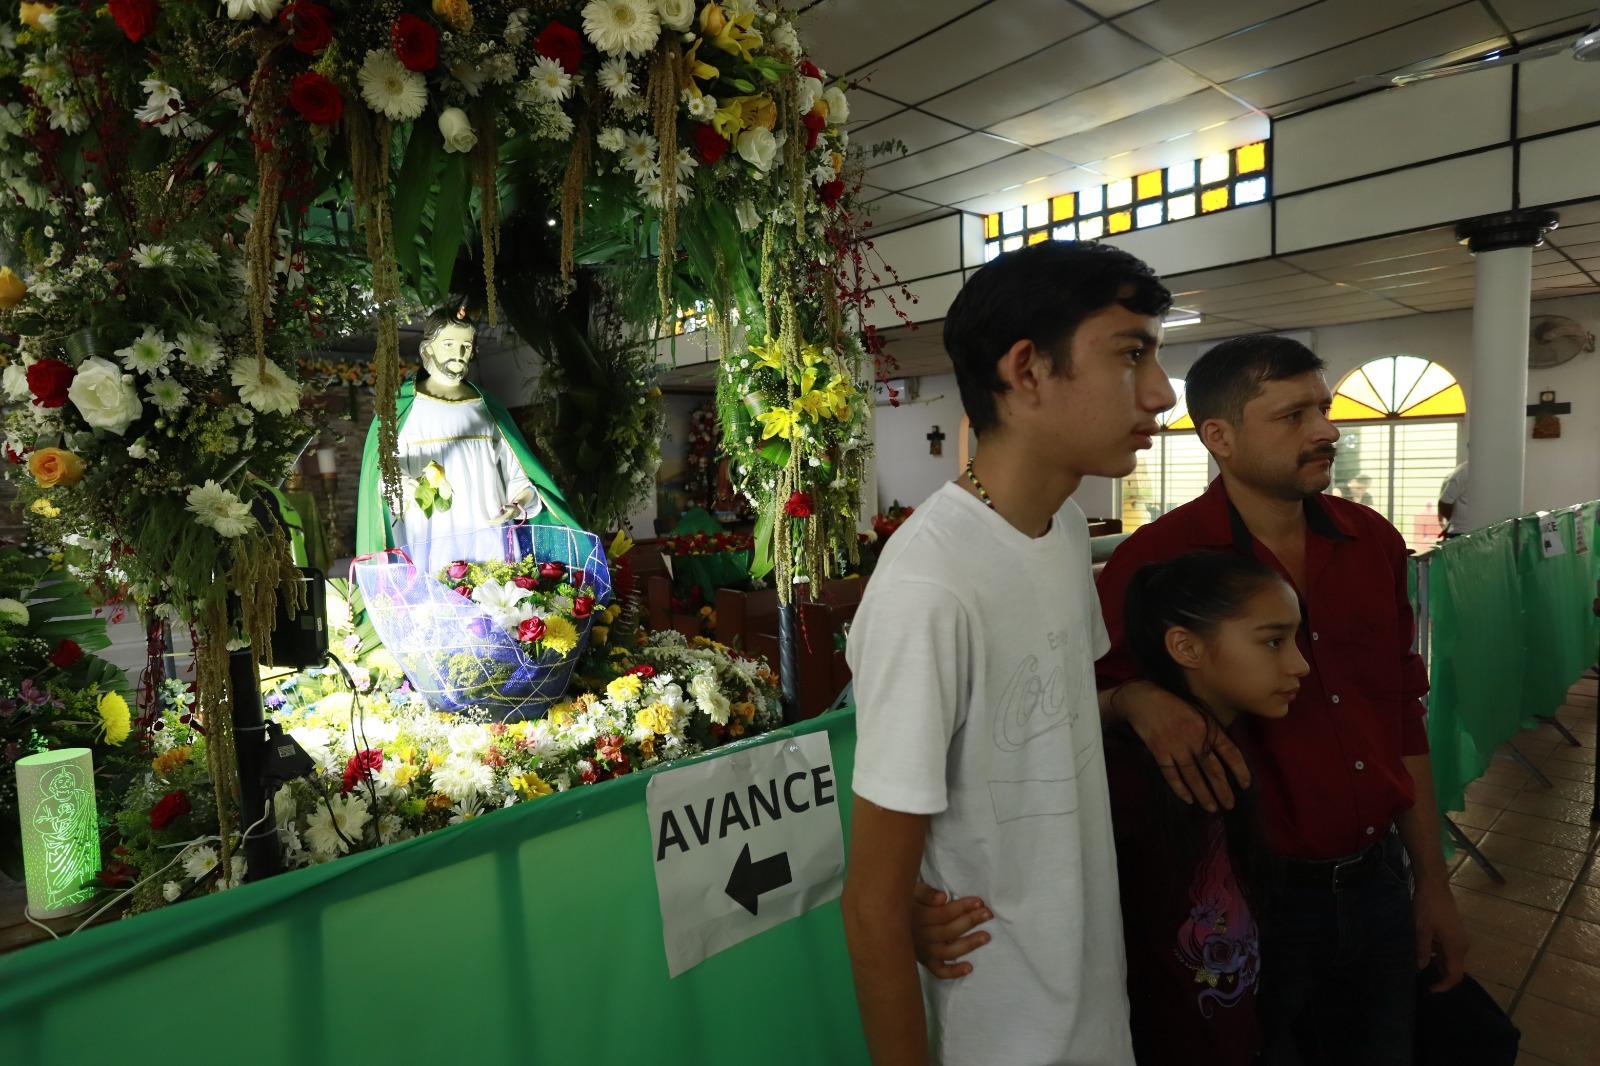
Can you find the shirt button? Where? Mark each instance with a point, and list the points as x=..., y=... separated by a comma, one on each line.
x=1360, y=765
x=1336, y=699
x=1316, y=636
x=1370, y=830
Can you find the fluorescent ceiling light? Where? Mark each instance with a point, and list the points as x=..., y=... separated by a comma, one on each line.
x=1179, y=317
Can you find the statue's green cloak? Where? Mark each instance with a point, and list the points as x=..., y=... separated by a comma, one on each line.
x=375, y=526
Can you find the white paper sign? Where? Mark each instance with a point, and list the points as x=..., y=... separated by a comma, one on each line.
x=1550, y=537
x=743, y=843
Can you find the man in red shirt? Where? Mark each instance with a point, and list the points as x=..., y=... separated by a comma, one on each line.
x=1346, y=788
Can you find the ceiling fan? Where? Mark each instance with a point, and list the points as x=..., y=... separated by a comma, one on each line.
x=1582, y=46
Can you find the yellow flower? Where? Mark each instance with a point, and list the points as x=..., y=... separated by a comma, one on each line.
x=382, y=661
x=736, y=729
x=648, y=747
x=621, y=545
x=12, y=288
x=530, y=785
x=613, y=613
x=600, y=636
x=57, y=558
x=458, y=13
x=768, y=355
x=699, y=69
x=32, y=15
x=746, y=710
x=733, y=35
x=114, y=718
x=404, y=774
x=625, y=688
x=657, y=718
x=560, y=714
x=517, y=730
x=169, y=761
x=559, y=635
x=779, y=422
x=44, y=508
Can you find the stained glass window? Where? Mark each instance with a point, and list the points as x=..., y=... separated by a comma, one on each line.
x=1398, y=386
x=1252, y=191
x=1119, y=222
x=991, y=226
x=1038, y=237
x=1180, y=176
x=1147, y=215
x=1181, y=207
x=1091, y=229
x=1172, y=473
x=1062, y=207
x=1214, y=199
x=1011, y=221
x=1091, y=201
x=1119, y=193
x=1251, y=157
x=1148, y=186
x=1038, y=214
x=1011, y=244
x=1065, y=233
x=1214, y=168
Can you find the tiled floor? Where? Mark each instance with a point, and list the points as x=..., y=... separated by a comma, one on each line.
x=1536, y=938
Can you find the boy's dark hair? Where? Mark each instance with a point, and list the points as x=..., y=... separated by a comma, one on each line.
x=1040, y=293
x=1197, y=591
x=1230, y=375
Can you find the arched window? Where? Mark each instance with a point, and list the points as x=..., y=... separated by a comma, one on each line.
x=1172, y=473
x=1400, y=418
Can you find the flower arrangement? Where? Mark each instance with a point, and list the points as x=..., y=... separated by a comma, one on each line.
x=700, y=460
x=707, y=544
x=885, y=523
x=543, y=606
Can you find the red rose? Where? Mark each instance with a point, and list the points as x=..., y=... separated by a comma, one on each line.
x=65, y=654
x=711, y=145
x=361, y=766
x=577, y=577
x=169, y=808
x=561, y=43
x=13, y=457
x=118, y=873
x=523, y=581
x=316, y=98
x=458, y=570
x=583, y=606
x=809, y=69
x=830, y=192
x=48, y=380
x=644, y=670
x=415, y=42
x=798, y=505
x=531, y=631
x=464, y=591
x=589, y=776
x=814, y=124
x=552, y=570
x=311, y=25
x=134, y=17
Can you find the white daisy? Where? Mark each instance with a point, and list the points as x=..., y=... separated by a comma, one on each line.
x=153, y=255
x=611, y=139
x=621, y=27
x=549, y=80
x=148, y=353
x=702, y=107
x=263, y=385
x=655, y=192
x=200, y=861
x=162, y=101
x=469, y=76
x=639, y=152
x=216, y=507
x=469, y=739
x=167, y=394
x=248, y=9
x=616, y=79
x=500, y=68
x=462, y=779
x=201, y=347
x=686, y=164
x=389, y=88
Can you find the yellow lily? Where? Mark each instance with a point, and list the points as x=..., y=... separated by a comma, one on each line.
x=769, y=356
x=779, y=422
x=621, y=545
x=12, y=288
x=699, y=69
x=736, y=36
x=728, y=120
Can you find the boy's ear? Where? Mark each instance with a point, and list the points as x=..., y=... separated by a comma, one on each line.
x=1185, y=647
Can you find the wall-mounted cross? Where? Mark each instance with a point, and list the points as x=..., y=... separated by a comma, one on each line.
x=1547, y=406
x=936, y=441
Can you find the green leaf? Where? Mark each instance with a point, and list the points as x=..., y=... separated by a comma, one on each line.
x=742, y=85
x=449, y=221
x=776, y=452
x=761, y=563
x=411, y=191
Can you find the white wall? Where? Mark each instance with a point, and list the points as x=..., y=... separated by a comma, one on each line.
x=906, y=472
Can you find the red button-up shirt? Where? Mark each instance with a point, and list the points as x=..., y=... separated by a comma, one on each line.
x=1330, y=773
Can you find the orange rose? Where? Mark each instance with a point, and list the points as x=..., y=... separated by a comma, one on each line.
x=53, y=466
x=455, y=13
x=31, y=14
x=12, y=288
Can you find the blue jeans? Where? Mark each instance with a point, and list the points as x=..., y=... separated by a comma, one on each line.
x=1339, y=971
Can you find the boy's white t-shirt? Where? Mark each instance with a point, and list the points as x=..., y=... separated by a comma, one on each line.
x=973, y=656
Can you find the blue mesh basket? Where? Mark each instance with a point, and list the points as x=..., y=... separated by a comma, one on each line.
x=452, y=651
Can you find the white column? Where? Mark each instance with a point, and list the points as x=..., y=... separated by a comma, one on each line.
x=1497, y=420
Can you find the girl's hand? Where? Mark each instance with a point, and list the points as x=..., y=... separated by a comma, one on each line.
x=942, y=929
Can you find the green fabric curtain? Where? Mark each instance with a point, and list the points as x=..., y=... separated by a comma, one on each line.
x=529, y=935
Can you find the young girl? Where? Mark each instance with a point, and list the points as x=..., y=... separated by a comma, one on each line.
x=1219, y=630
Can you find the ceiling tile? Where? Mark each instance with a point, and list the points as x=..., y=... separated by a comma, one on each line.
x=1301, y=33
x=1564, y=234
x=986, y=40
x=841, y=35
x=1110, y=9
x=1574, y=24
x=1521, y=14
x=894, y=211
x=951, y=158
x=1244, y=273
x=1579, y=214
x=915, y=129
x=868, y=107
x=1429, y=240
x=1456, y=28
x=1159, y=83
x=1076, y=63
x=1228, y=297
x=993, y=177
x=1156, y=124
x=1170, y=26
x=1581, y=252
x=1068, y=180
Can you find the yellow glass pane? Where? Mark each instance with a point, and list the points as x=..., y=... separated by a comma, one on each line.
x=1119, y=222
x=1039, y=237
x=1345, y=409
x=1062, y=207
x=1214, y=199
x=1149, y=184
x=1359, y=389
x=1185, y=422
x=991, y=226
x=1252, y=157
x=1451, y=401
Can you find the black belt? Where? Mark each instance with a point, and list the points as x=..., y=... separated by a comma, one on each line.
x=1336, y=875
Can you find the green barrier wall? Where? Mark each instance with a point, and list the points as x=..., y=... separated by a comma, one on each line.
x=531, y=935
x=1511, y=631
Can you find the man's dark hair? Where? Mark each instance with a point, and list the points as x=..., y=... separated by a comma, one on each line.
x=1040, y=293
x=1231, y=375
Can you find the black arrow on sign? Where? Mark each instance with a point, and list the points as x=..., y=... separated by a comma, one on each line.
x=752, y=880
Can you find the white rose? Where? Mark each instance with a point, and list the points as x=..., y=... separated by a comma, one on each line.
x=13, y=611
x=676, y=14
x=457, y=131
x=104, y=395
x=745, y=212
x=758, y=148
x=15, y=382
x=810, y=90
x=838, y=106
